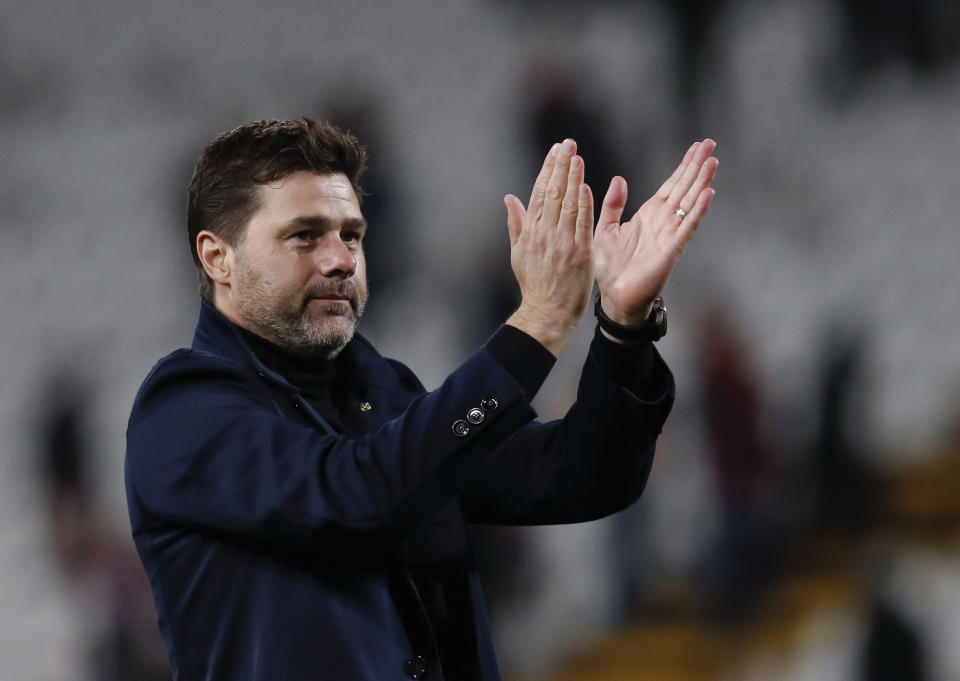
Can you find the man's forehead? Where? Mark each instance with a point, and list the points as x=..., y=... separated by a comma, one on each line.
x=313, y=185
x=306, y=193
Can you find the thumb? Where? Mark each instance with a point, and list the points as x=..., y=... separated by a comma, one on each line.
x=613, y=204
x=515, y=215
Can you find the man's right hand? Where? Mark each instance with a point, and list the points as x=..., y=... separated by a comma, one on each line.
x=551, y=249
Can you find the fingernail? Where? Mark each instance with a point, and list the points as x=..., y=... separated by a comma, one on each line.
x=575, y=163
x=567, y=146
x=555, y=149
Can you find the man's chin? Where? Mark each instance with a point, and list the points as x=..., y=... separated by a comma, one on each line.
x=325, y=340
x=324, y=328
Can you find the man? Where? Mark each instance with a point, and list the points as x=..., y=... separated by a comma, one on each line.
x=299, y=502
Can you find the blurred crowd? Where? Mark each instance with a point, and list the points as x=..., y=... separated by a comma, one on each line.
x=811, y=322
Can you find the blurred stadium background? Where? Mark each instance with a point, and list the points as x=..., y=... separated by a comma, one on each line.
x=802, y=520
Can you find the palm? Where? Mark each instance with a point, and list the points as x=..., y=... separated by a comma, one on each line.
x=635, y=259
x=638, y=255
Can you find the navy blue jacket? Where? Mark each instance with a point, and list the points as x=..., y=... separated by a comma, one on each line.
x=279, y=549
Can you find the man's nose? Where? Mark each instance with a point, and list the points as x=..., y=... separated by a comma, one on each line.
x=334, y=258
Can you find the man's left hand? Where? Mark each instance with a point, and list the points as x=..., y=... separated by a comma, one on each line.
x=635, y=259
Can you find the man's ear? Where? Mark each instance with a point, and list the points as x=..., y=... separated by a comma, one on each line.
x=216, y=256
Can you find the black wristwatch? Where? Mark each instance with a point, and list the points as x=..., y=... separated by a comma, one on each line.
x=653, y=329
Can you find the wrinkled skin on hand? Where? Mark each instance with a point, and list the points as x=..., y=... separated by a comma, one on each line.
x=551, y=248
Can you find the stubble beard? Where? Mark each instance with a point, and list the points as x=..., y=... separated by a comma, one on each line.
x=304, y=325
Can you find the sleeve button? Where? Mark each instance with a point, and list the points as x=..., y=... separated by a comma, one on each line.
x=489, y=404
x=475, y=416
x=460, y=428
x=415, y=667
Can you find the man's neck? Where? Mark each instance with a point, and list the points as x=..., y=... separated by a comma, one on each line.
x=298, y=369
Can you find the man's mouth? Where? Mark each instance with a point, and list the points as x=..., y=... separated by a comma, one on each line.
x=333, y=300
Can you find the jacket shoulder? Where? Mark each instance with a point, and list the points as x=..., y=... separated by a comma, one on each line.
x=382, y=371
x=189, y=368
x=405, y=375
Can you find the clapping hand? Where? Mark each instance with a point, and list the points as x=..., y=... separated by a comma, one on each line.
x=635, y=259
x=551, y=248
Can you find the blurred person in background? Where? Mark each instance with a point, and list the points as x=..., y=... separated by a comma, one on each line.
x=98, y=563
x=745, y=473
x=299, y=501
x=845, y=483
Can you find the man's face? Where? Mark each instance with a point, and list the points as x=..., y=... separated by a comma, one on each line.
x=300, y=276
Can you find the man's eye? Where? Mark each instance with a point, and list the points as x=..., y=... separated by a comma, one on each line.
x=305, y=235
x=351, y=237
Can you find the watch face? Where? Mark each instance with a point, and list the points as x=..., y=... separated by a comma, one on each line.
x=659, y=310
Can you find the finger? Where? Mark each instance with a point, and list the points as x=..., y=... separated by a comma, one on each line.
x=690, y=223
x=570, y=205
x=515, y=214
x=667, y=186
x=683, y=184
x=557, y=185
x=704, y=178
x=613, y=203
x=584, y=231
x=539, y=191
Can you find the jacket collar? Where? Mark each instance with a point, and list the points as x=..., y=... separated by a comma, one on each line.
x=217, y=335
x=372, y=376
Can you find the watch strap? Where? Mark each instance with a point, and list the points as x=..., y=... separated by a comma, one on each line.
x=653, y=329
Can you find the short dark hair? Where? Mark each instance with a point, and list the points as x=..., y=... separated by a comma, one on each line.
x=224, y=188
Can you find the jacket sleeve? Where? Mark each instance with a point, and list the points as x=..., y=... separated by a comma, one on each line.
x=206, y=449
x=593, y=462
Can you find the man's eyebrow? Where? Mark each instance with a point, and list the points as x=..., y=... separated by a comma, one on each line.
x=323, y=222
